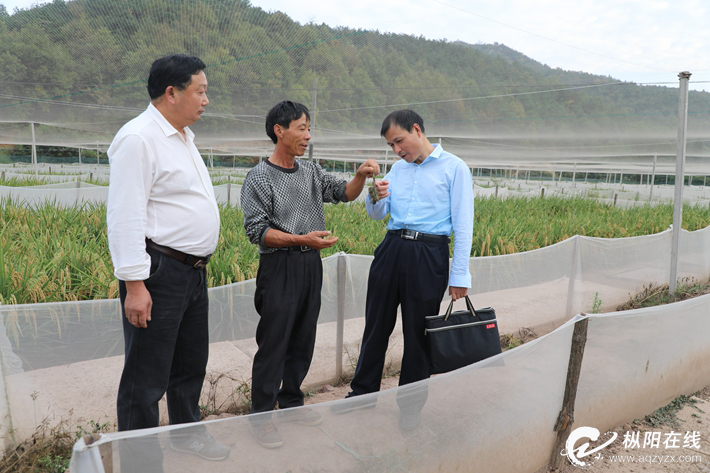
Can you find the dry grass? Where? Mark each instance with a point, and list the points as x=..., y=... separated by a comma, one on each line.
x=49, y=449
x=654, y=295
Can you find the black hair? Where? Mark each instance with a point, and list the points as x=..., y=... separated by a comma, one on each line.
x=283, y=113
x=176, y=70
x=403, y=118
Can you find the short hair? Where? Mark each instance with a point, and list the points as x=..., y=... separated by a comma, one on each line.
x=283, y=113
x=176, y=70
x=404, y=118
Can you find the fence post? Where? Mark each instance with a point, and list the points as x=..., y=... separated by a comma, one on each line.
x=229, y=192
x=565, y=419
x=572, y=276
x=653, y=178
x=679, y=172
x=340, y=327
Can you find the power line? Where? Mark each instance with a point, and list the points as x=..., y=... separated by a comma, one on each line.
x=453, y=87
x=469, y=98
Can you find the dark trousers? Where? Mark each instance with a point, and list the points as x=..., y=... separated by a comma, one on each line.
x=170, y=356
x=412, y=274
x=287, y=298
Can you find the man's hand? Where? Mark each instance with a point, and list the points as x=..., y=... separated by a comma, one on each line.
x=357, y=183
x=318, y=241
x=138, y=304
x=382, y=189
x=458, y=292
x=368, y=169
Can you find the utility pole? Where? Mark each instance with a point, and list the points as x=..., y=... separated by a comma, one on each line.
x=313, y=117
x=679, y=170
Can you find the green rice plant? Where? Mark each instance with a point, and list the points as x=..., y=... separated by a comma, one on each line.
x=52, y=254
x=96, y=182
x=221, y=180
x=523, y=224
x=23, y=181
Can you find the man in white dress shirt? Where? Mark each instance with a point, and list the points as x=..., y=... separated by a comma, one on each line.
x=163, y=224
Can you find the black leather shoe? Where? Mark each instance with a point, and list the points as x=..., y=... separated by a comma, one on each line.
x=349, y=404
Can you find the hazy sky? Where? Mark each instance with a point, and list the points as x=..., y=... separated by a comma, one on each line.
x=643, y=41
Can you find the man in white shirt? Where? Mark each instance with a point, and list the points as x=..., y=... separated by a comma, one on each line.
x=163, y=224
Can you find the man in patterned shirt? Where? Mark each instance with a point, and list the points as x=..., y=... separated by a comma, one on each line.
x=283, y=201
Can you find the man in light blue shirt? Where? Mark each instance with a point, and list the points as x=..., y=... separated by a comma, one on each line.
x=428, y=195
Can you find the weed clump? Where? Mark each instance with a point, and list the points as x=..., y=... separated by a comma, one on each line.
x=517, y=338
x=667, y=415
x=654, y=295
x=49, y=449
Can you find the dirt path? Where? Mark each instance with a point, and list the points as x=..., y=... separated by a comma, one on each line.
x=694, y=457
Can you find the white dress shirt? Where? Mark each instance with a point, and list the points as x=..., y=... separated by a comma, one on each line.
x=159, y=188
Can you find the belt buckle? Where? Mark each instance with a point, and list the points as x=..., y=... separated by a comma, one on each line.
x=200, y=264
x=305, y=248
x=409, y=234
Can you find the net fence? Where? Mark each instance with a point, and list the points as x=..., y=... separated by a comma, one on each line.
x=470, y=415
x=69, y=186
x=76, y=72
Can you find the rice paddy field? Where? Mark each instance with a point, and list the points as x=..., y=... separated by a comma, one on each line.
x=50, y=254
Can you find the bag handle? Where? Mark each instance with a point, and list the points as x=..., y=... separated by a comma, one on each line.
x=468, y=305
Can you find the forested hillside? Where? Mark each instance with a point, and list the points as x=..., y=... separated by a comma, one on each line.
x=96, y=53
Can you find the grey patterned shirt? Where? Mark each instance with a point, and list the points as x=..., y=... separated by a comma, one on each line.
x=290, y=200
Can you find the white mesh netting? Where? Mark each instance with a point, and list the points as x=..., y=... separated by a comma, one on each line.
x=470, y=416
x=77, y=71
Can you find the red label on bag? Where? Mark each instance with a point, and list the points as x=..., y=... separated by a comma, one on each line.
x=491, y=326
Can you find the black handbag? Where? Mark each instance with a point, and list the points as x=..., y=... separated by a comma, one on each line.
x=461, y=338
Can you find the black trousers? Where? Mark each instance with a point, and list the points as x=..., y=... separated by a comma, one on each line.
x=168, y=357
x=287, y=298
x=412, y=274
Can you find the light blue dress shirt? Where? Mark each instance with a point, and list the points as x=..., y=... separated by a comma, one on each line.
x=434, y=197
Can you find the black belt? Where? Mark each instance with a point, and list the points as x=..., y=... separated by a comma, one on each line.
x=301, y=248
x=425, y=237
x=197, y=262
